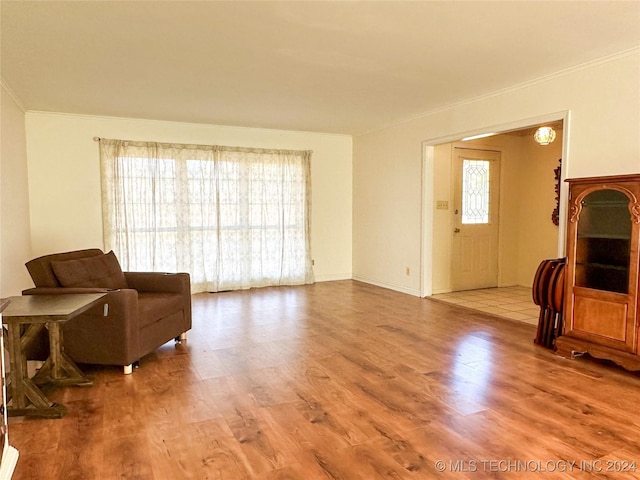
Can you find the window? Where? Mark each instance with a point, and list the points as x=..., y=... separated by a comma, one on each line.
x=475, y=191
x=231, y=217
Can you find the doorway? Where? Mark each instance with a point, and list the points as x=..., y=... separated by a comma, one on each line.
x=527, y=197
x=475, y=218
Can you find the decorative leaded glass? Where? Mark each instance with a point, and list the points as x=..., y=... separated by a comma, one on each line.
x=475, y=191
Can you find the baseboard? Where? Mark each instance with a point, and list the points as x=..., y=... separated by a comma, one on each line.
x=390, y=286
x=449, y=290
x=441, y=290
x=333, y=277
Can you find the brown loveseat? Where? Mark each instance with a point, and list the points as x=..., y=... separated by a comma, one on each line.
x=144, y=310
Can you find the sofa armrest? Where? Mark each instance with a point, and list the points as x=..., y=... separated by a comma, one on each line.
x=113, y=339
x=159, y=282
x=63, y=290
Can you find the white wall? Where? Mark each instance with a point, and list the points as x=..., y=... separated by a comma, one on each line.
x=602, y=99
x=386, y=209
x=15, y=237
x=64, y=178
x=537, y=235
x=443, y=223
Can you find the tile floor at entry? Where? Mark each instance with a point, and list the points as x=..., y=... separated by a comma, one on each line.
x=515, y=303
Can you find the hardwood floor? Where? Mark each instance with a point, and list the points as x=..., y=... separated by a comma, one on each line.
x=341, y=380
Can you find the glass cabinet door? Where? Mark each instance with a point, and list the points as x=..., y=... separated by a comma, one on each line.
x=603, y=242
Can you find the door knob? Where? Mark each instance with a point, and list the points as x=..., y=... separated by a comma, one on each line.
x=456, y=230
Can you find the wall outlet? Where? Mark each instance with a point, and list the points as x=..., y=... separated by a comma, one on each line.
x=408, y=271
x=313, y=262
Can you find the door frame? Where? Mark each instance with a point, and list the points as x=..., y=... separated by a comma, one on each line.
x=428, y=171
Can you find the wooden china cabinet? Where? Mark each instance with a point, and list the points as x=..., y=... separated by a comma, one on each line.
x=601, y=290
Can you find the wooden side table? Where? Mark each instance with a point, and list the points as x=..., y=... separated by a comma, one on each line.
x=24, y=318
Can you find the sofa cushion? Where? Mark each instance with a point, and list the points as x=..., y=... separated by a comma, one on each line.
x=152, y=307
x=98, y=271
x=41, y=271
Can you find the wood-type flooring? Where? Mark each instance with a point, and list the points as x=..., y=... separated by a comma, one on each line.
x=344, y=381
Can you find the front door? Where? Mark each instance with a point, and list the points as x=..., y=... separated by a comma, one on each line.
x=475, y=222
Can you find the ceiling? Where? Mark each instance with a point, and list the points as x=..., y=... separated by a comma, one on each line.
x=337, y=67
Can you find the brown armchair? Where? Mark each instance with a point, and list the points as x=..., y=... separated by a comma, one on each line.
x=143, y=310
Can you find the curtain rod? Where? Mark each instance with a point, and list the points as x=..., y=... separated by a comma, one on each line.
x=97, y=139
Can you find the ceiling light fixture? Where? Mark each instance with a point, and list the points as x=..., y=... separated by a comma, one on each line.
x=544, y=135
x=482, y=135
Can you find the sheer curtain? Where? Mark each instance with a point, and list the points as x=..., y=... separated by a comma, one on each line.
x=233, y=218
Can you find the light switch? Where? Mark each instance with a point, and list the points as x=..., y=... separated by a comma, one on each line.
x=442, y=205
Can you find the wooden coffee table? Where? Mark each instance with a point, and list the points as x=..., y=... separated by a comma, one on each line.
x=24, y=318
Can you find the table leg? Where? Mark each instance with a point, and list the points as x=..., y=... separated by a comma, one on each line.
x=59, y=369
x=18, y=367
x=54, y=350
x=26, y=397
